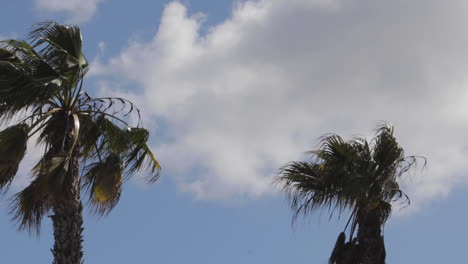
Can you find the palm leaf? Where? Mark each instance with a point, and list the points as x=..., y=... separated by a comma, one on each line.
x=13, y=143
x=353, y=174
x=58, y=44
x=51, y=172
x=30, y=205
x=140, y=155
x=26, y=80
x=129, y=143
x=103, y=182
x=89, y=136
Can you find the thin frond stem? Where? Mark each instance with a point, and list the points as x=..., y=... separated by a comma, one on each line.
x=106, y=114
x=98, y=152
x=76, y=95
x=32, y=116
x=118, y=99
x=53, y=103
x=60, y=98
x=41, y=119
x=124, y=103
x=37, y=130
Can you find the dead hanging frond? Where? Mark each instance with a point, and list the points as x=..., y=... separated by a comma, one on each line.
x=13, y=143
x=29, y=206
x=336, y=256
x=51, y=172
x=103, y=182
x=345, y=252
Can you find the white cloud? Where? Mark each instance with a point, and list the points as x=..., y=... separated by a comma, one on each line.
x=77, y=10
x=259, y=89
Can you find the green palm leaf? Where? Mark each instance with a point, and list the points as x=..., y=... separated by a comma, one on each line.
x=59, y=43
x=26, y=80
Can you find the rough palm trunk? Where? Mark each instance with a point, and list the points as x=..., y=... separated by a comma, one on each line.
x=68, y=222
x=370, y=239
x=67, y=208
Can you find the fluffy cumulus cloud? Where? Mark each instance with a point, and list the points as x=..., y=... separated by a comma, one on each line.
x=77, y=10
x=258, y=89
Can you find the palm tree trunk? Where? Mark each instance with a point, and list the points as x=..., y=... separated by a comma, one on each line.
x=67, y=208
x=370, y=239
x=68, y=222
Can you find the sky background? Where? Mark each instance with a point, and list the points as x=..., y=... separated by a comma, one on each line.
x=232, y=90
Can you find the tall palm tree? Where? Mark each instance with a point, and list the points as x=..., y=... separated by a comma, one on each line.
x=88, y=143
x=354, y=175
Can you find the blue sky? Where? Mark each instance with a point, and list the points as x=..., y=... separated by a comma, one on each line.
x=231, y=90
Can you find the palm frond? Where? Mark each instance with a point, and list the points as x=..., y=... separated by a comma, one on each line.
x=140, y=156
x=25, y=79
x=103, y=182
x=129, y=143
x=387, y=153
x=339, y=249
x=115, y=138
x=89, y=136
x=29, y=206
x=54, y=129
x=13, y=143
x=307, y=188
x=51, y=172
x=354, y=174
x=104, y=104
x=58, y=44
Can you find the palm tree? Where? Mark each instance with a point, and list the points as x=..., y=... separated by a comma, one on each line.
x=354, y=175
x=88, y=143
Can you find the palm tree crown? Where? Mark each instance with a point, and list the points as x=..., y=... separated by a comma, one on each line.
x=354, y=175
x=41, y=85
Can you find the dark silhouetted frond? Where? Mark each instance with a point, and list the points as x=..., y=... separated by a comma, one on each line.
x=13, y=143
x=51, y=172
x=59, y=44
x=339, y=250
x=26, y=80
x=30, y=205
x=353, y=174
